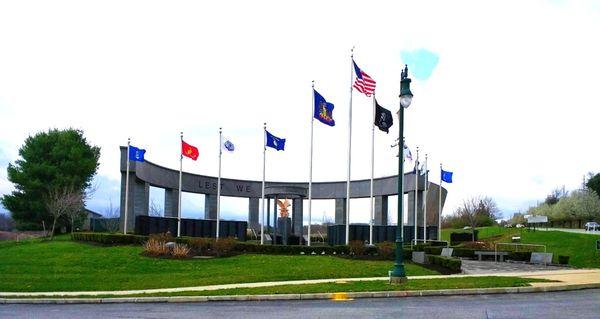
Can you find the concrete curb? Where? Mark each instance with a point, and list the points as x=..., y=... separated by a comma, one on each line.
x=313, y=296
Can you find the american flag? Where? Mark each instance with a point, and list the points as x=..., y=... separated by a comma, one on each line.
x=363, y=82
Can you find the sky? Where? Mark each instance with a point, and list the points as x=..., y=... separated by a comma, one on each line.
x=505, y=92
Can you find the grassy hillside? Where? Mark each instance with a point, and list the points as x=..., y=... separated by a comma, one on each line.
x=580, y=247
x=64, y=265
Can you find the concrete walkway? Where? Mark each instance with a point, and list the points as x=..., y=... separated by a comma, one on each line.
x=566, y=278
x=492, y=268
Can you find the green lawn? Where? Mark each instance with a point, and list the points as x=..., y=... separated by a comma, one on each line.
x=486, y=232
x=63, y=265
x=581, y=248
x=358, y=286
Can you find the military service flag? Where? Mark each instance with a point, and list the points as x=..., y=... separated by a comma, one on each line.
x=189, y=150
x=383, y=118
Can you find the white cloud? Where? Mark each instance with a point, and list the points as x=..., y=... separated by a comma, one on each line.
x=509, y=107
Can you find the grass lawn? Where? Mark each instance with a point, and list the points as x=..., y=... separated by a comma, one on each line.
x=359, y=286
x=581, y=248
x=63, y=265
x=486, y=232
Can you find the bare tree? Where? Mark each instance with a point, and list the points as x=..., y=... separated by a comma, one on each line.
x=63, y=201
x=477, y=211
x=111, y=218
x=155, y=209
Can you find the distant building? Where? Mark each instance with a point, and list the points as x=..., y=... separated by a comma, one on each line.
x=89, y=214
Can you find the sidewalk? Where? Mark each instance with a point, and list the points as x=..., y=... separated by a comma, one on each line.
x=571, y=277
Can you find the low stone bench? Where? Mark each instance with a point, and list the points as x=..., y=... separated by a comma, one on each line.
x=481, y=253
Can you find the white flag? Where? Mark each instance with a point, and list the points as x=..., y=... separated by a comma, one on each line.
x=407, y=153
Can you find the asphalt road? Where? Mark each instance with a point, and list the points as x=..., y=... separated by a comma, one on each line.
x=573, y=304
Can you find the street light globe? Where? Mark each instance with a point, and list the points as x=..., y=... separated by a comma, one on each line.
x=405, y=100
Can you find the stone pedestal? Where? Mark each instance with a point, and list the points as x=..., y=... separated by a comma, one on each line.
x=284, y=228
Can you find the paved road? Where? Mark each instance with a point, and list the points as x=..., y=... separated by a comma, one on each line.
x=575, y=304
x=572, y=230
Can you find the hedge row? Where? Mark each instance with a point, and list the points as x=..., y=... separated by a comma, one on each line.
x=110, y=239
x=241, y=247
x=453, y=264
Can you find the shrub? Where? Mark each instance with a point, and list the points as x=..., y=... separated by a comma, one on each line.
x=153, y=247
x=180, y=251
x=433, y=250
x=452, y=264
x=519, y=255
x=406, y=254
x=202, y=246
x=357, y=248
x=479, y=245
x=457, y=238
x=563, y=260
x=162, y=237
x=464, y=252
x=110, y=239
x=224, y=246
x=386, y=249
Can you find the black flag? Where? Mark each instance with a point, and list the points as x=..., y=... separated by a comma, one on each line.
x=383, y=118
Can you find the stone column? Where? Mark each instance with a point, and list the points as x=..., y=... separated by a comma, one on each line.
x=433, y=205
x=340, y=211
x=253, y=204
x=130, y=202
x=381, y=211
x=410, y=209
x=138, y=201
x=210, y=206
x=171, y=202
x=297, y=217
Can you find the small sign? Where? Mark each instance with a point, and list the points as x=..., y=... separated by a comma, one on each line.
x=537, y=219
x=598, y=244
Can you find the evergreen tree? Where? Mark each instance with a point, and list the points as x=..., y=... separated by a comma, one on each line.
x=48, y=161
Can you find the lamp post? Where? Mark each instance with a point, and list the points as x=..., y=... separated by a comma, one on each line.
x=398, y=275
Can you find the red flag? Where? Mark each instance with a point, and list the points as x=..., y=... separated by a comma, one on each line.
x=189, y=150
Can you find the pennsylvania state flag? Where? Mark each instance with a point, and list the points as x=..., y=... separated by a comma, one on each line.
x=383, y=118
x=323, y=110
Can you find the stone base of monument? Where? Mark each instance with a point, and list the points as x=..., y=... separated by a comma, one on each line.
x=418, y=257
x=284, y=228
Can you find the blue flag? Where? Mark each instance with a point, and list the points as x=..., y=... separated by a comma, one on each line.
x=136, y=154
x=446, y=176
x=323, y=110
x=275, y=142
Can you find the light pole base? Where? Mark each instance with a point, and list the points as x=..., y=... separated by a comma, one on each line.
x=398, y=280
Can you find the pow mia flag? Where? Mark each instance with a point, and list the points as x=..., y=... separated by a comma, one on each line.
x=383, y=118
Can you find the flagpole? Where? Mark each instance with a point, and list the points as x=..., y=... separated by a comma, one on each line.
x=349, y=150
x=425, y=204
x=126, y=188
x=262, y=225
x=416, y=192
x=372, y=171
x=219, y=182
x=440, y=206
x=179, y=201
x=312, y=121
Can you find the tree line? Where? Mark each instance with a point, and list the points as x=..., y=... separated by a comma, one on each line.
x=564, y=207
